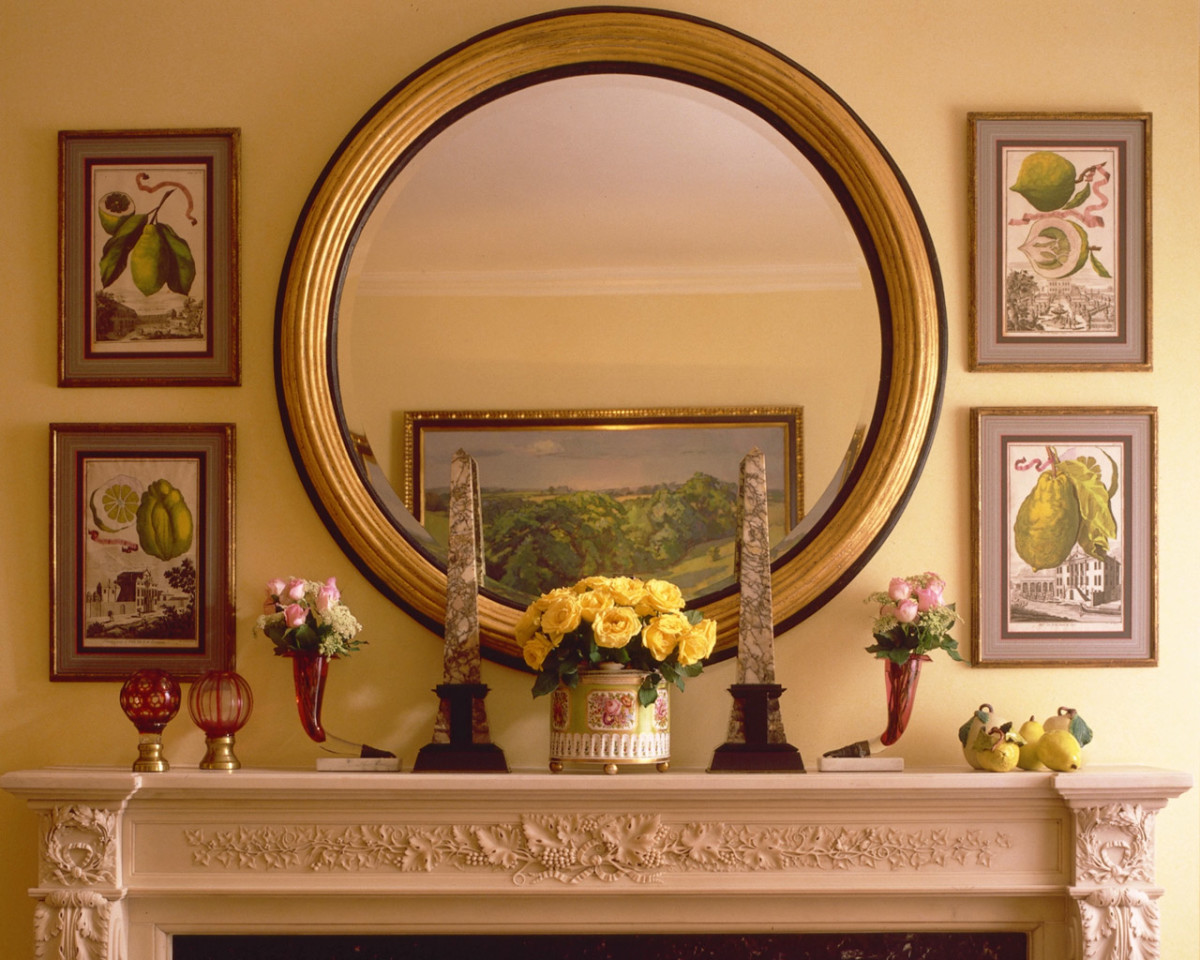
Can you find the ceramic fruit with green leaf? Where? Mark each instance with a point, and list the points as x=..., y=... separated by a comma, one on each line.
x=980, y=721
x=997, y=749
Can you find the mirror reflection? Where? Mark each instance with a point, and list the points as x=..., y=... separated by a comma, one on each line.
x=608, y=242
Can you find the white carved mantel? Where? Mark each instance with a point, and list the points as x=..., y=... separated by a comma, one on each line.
x=129, y=860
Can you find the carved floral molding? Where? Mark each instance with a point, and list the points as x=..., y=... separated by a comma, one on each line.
x=569, y=849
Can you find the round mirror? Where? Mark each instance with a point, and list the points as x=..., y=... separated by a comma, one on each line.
x=650, y=226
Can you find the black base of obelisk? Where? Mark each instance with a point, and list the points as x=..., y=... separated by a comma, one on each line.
x=756, y=754
x=461, y=754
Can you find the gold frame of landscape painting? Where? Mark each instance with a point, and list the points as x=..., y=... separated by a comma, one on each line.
x=148, y=258
x=558, y=484
x=142, y=549
x=1065, y=538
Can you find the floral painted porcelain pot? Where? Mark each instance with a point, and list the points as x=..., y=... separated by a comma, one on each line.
x=601, y=721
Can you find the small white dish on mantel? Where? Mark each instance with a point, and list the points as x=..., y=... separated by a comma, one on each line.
x=861, y=765
x=359, y=764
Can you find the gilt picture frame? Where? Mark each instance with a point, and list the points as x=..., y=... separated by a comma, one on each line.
x=1060, y=266
x=1064, y=536
x=148, y=258
x=590, y=482
x=142, y=549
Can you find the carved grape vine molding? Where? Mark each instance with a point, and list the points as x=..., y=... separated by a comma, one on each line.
x=638, y=848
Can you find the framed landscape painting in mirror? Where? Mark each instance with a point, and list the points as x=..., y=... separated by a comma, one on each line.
x=1065, y=536
x=570, y=493
x=142, y=549
x=1061, y=255
x=148, y=248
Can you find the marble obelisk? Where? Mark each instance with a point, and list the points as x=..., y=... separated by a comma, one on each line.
x=756, y=739
x=461, y=739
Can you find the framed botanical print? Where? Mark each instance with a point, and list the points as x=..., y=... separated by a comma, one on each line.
x=1064, y=536
x=1061, y=252
x=142, y=549
x=148, y=258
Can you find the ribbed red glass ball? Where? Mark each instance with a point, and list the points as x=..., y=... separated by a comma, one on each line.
x=150, y=699
x=220, y=703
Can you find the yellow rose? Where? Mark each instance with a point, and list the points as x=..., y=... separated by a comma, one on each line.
x=661, y=596
x=593, y=602
x=615, y=627
x=535, y=651
x=698, y=642
x=544, y=601
x=591, y=583
x=626, y=591
x=562, y=615
x=661, y=635
x=527, y=625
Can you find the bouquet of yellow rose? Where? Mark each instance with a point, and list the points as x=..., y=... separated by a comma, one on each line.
x=641, y=624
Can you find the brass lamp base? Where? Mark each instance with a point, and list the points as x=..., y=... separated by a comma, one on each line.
x=218, y=754
x=150, y=755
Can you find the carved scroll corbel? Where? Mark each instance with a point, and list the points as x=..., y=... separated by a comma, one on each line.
x=78, y=925
x=1115, y=899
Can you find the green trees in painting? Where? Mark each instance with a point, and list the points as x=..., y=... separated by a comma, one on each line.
x=537, y=541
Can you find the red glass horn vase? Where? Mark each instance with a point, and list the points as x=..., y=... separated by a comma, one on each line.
x=900, y=680
x=310, y=670
x=220, y=703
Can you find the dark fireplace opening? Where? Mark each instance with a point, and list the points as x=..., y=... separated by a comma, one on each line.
x=800, y=946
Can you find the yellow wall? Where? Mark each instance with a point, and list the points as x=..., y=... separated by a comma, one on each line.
x=294, y=75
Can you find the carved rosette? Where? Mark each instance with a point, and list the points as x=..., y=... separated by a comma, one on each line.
x=1116, y=904
x=570, y=849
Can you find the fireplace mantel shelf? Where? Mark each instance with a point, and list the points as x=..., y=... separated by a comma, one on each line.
x=128, y=860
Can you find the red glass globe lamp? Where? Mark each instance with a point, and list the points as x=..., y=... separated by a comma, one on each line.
x=150, y=699
x=220, y=703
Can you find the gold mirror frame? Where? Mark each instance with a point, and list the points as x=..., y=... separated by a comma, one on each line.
x=614, y=40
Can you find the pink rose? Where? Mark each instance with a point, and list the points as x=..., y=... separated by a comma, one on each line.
x=887, y=610
x=906, y=610
x=930, y=596
x=295, y=589
x=275, y=588
x=327, y=596
x=294, y=615
x=899, y=588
